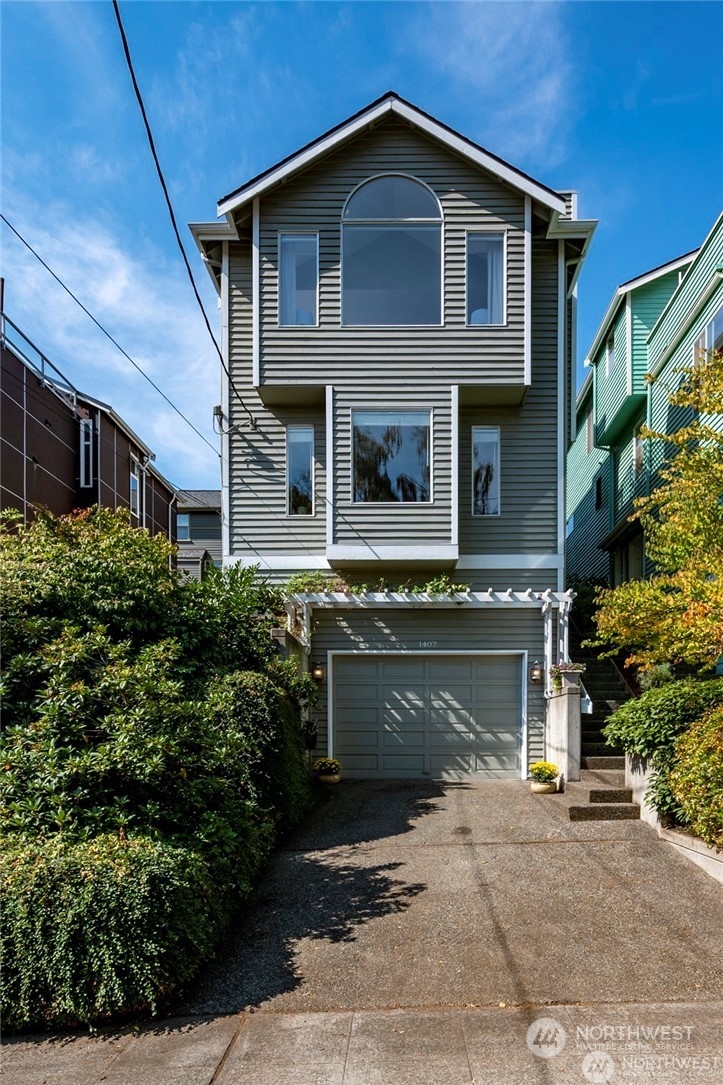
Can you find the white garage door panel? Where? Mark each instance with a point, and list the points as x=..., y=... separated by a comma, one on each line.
x=428, y=715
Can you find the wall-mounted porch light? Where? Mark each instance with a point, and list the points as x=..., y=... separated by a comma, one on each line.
x=318, y=672
x=537, y=672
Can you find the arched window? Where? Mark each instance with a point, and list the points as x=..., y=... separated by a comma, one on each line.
x=392, y=251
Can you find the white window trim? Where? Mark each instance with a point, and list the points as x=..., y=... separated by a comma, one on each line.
x=189, y=537
x=490, y=429
x=637, y=439
x=86, y=444
x=493, y=231
x=297, y=233
x=589, y=432
x=307, y=426
x=135, y=474
x=609, y=355
x=408, y=409
x=382, y=222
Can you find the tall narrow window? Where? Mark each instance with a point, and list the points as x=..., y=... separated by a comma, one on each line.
x=391, y=456
x=485, y=278
x=392, y=253
x=610, y=356
x=86, y=452
x=638, y=452
x=589, y=432
x=298, y=279
x=135, y=488
x=300, y=470
x=183, y=527
x=598, y=492
x=485, y=471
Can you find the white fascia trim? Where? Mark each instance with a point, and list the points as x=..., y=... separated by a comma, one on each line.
x=629, y=345
x=213, y=233
x=329, y=471
x=573, y=365
x=365, y=552
x=426, y=124
x=685, y=324
x=225, y=407
x=454, y=473
x=527, y=328
x=562, y=378
x=255, y=296
x=510, y=561
x=290, y=563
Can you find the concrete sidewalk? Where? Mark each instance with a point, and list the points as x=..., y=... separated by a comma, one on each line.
x=414, y=932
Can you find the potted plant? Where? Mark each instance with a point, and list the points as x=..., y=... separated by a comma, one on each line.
x=544, y=777
x=327, y=769
x=566, y=673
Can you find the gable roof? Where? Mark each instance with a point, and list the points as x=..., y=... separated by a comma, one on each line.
x=389, y=104
x=626, y=288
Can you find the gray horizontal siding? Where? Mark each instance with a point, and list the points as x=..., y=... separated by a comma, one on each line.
x=470, y=200
x=453, y=630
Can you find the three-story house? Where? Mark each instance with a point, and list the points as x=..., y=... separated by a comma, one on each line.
x=398, y=319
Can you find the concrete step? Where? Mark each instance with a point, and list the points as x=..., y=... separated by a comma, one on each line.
x=604, y=811
x=607, y=761
x=610, y=794
x=602, y=778
x=597, y=749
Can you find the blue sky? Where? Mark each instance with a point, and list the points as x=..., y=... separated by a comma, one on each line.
x=621, y=101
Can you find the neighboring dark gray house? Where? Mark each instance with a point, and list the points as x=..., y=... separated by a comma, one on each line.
x=199, y=530
x=398, y=317
x=63, y=449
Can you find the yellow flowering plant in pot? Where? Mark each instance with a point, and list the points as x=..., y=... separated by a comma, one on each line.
x=544, y=777
x=327, y=769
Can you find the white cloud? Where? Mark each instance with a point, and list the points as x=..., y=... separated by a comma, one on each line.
x=512, y=58
x=144, y=303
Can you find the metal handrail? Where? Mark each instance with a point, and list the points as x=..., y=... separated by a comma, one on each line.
x=40, y=366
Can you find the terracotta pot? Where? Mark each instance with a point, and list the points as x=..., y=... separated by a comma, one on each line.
x=540, y=787
x=329, y=777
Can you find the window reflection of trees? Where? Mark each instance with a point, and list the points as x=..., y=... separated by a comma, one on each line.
x=483, y=497
x=382, y=467
x=301, y=499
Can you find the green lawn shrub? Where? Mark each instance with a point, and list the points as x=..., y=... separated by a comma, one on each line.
x=100, y=927
x=696, y=778
x=649, y=726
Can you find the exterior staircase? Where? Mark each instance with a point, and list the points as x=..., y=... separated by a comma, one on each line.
x=600, y=794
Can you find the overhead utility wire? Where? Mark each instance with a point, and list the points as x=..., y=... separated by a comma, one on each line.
x=106, y=333
x=169, y=205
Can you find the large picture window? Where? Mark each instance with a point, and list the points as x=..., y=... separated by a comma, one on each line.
x=485, y=278
x=300, y=470
x=392, y=246
x=391, y=456
x=298, y=279
x=485, y=471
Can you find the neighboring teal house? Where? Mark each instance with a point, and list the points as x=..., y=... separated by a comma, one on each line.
x=655, y=324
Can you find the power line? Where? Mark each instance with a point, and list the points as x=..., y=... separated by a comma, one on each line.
x=169, y=205
x=106, y=333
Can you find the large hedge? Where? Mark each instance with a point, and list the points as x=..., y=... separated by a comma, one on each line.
x=696, y=778
x=152, y=752
x=100, y=926
x=650, y=725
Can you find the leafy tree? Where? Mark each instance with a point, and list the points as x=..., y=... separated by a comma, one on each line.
x=677, y=614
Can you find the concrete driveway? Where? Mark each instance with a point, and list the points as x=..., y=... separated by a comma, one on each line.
x=415, y=932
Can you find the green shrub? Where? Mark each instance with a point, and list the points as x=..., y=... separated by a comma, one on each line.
x=696, y=778
x=650, y=724
x=101, y=927
x=252, y=714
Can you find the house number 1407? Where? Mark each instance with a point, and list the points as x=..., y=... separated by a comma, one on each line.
x=427, y=644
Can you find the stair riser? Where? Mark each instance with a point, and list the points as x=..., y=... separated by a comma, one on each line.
x=605, y=812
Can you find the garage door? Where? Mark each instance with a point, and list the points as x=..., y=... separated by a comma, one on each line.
x=439, y=716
